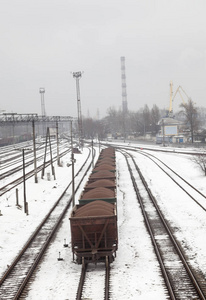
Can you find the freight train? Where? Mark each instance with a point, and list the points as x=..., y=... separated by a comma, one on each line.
x=93, y=222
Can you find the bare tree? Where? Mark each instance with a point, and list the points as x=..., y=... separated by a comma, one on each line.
x=89, y=126
x=114, y=121
x=155, y=117
x=190, y=113
x=146, y=118
x=200, y=160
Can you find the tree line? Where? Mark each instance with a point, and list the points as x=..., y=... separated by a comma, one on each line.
x=144, y=121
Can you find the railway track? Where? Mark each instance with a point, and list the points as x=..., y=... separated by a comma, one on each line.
x=196, y=195
x=183, y=184
x=154, y=149
x=94, y=279
x=18, y=274
x=13, y=164
x=12, y=184
x=182, y=281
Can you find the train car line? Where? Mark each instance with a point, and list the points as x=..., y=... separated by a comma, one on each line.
x=182, y=281
x=93, y=221
x=93, y=224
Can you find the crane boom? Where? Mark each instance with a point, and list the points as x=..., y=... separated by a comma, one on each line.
x=178, y=90
x=170, y=110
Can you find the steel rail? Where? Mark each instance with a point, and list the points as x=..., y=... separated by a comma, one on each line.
x=107, y=277
x=9, y=186
x=153, y=149
x=35, y=234
x=176, y=244
x=13, y=162
x=173, y=179
x=148, y=155
x=184, y=180
x=157, y=251
x=81, y=281
x=83, y=276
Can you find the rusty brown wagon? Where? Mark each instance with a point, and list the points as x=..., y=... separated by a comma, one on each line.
x=104, y=174
x=98, y=193
x=104, y=167
x=107, y=160
x=94, y=231
x=93, y=221
x=107, y=183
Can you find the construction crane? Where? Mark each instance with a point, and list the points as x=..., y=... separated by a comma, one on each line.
x=178, y=90
x=170, y=111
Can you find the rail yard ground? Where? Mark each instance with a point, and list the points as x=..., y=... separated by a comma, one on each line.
x=135, y=273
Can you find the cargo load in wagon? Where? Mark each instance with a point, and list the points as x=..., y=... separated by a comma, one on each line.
x=94, y=231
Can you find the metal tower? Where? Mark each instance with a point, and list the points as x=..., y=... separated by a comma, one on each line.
x=43, y=112
x=124, y=86
x=77, y=76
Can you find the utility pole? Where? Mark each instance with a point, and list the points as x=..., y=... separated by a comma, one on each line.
x=72, y=160
x=163, y=129
x=26, y=209
x=24, y=184
x=57, y=139
x=24, y=181
x=45, y=154
x=77, y=76
x=34, y=150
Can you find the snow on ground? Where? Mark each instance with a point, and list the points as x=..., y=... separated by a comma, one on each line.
x=135, y=257
x=187, y=218
x=16, y=227
x=135, y=263
x=135, y=274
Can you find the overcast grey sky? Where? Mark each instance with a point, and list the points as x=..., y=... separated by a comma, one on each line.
x=43, y=41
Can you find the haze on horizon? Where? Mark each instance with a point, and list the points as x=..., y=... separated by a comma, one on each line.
x=43, y=42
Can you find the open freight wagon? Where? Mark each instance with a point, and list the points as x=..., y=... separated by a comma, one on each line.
x=94, y=231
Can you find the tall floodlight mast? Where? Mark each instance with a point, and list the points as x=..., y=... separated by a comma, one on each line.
x=77, y=76
x=124, y=86
x=43, y=111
